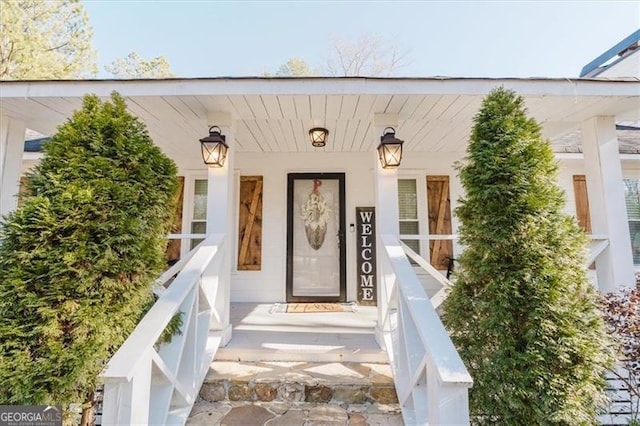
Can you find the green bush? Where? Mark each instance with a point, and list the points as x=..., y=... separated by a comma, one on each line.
x=78, y=258
x=522, y=311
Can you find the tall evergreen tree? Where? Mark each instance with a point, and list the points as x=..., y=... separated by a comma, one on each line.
x=78, y=258
x=522, y=311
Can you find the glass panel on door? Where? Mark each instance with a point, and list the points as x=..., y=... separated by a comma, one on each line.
x=316, y=237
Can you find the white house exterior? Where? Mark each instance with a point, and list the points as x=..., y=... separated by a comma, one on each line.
x=272, y=171
x=266, y=122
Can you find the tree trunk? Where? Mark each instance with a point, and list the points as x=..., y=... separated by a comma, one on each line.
x=87, y=411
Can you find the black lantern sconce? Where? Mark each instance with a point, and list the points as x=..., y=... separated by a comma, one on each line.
x=390, y=149
x=214, y=148
x=318, y=136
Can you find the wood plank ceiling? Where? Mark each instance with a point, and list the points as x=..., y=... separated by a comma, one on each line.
x=280, y=122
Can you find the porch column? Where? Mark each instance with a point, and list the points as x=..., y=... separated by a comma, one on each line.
x=607, y=203
x=219, y=221
x=386, y=182
x=11, y=148
x=387, y=217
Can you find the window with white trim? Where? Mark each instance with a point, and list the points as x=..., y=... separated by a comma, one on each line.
x=632, y=199
x=408, y=206
x=199, y=213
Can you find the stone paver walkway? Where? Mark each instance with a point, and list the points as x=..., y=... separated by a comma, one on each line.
x=297, y=393
x=293, y=414
x=349, y=383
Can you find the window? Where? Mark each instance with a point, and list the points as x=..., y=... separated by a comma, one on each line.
x=408, y=205
x=632, y=199
x=199, y=217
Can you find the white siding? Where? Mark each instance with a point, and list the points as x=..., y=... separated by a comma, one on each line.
x=268, y=285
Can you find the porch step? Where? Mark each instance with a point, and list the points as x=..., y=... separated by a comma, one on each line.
x=297, y=393
x=261, y=334
x=255, y=346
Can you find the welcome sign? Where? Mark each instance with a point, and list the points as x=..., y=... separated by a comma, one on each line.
x=366, y=248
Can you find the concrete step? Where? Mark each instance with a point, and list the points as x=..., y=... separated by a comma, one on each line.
x=259, y=345
x=297, y=393
x=262, y=333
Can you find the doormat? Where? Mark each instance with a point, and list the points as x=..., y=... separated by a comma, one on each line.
x=307, y=308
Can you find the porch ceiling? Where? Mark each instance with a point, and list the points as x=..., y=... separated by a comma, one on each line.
x=274, y=115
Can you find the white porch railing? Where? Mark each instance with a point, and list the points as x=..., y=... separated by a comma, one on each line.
x=441, y=294
x=597, y=244
x=430, y=378
x=145, y=385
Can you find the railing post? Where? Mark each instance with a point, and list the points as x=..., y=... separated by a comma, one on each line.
x=448, y=403
x=128, y=401
x=215, y=284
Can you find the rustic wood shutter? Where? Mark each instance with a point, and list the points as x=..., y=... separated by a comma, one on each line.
x=250, y=224
x=174, y=246
x=582, y=206
x=439, y=207
x=582, y=202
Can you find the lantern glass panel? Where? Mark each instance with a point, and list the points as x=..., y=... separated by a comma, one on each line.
x=390, y=154
x=214, y=153
x=318, y=136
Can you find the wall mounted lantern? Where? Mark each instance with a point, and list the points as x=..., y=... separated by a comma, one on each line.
x=318, y=136
x=214, y=148
x=390, y=149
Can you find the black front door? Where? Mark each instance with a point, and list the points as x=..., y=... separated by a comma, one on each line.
x=316, y=268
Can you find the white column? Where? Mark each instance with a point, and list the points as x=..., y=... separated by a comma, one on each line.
x=220, y=221
x=607, y=203
x=11, y=148
x=387, y=218
x=386, y=182
x=456, y=192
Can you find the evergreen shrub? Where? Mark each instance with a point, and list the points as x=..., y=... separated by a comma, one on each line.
x=78, y=258
x=522, y=311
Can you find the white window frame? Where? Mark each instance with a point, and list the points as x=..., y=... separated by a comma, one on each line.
x=423, y=219
x=190, y=178
x=632, y=174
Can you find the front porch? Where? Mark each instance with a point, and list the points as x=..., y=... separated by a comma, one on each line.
x=295, y=367
x=147, y=382
x=224, y=295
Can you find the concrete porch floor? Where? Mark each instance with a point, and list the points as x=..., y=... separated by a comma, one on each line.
x=259, y=334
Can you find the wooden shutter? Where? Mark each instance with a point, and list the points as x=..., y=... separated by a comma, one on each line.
x=582, y=203
x=174, y=246
x=250, y=224
x=439, y=207
x=582, y=206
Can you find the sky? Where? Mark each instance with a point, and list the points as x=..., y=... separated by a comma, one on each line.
x=459, y=39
